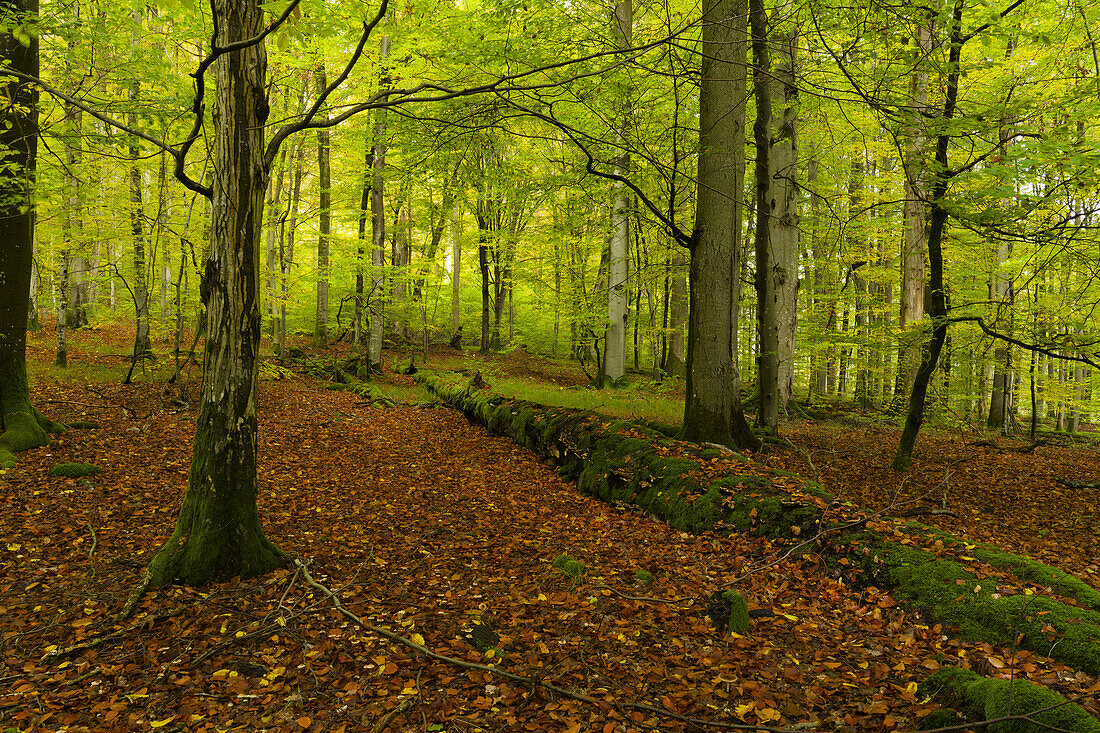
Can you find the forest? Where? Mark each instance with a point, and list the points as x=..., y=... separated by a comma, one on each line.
x=641, y=365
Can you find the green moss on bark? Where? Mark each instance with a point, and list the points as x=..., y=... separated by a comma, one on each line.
x=218, y=534
x=22, y=427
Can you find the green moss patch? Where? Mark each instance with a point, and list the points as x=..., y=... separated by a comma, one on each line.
x=729, y=612
x=990, y=699
x=952, y=593
x=74, y=470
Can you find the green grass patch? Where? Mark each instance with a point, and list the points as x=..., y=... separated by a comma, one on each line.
x=633, y=404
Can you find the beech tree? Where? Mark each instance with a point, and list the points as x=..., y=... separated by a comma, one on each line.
x=712, y=409
x=21, y=425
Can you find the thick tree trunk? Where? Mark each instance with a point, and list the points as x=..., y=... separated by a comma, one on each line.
x=21, y=425
x=218, y=534
x=712, y=408
x=784, y=221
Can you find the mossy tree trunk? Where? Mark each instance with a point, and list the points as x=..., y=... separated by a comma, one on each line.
x=21, y=425
x=218, y=533
x=712, y=408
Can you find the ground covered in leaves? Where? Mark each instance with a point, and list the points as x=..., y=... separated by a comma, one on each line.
x=426, y=526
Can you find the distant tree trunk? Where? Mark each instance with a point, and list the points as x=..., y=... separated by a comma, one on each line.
x=712, y=408
x=456, y=269
x=324, y=231
x=142, y=344
x=615, y=333
x=378, y=220
x=486, y=295
x=675, y=362
x=61, y=353
x=275, y=234
x=21, y=425
x=911, y=302
x=819, y=356
x=361, y=248
x=218, y=534
x=930, y=353
x=286, y=256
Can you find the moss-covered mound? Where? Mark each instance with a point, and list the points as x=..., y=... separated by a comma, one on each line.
x=74, y=470
x=990, y=699
x=620, y=461
x=950, y=591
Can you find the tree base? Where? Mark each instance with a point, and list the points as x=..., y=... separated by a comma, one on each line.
x=196, y=560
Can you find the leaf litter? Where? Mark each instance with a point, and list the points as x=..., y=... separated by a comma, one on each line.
x=426, y=526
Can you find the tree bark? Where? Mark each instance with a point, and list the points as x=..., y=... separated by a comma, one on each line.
x=324, y=233
x=21, y=425
x=218, y=533
x=911, y=302
x=712, y=408
x=614, y=363
x=930, y=352
x=378, y=220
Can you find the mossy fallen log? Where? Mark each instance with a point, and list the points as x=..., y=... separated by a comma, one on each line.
x=948, y=589
x=992, y=699
x=631, y=463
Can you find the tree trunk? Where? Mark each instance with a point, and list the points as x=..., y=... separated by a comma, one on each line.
x=911, y=302
x=675, y=363
x=286, y=255
x=378, y=220
x=930, y=352
x=218, y=534
x=784, y=222
x=21, y=425
x=456, y=270
x=712, y=408
x=324, y=233
x=142, y=345
x=614, y=363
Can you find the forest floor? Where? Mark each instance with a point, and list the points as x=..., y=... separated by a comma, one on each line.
x=430, y=528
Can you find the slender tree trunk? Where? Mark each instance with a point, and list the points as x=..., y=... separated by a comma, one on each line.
x=324, y=233
x=911, y=302
x=456, y=269
x=275, y=232
x=378, y=220
x=614, y=363
x=675, y=361
x=286, y=256
x=218, y=534
x=930, y=353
